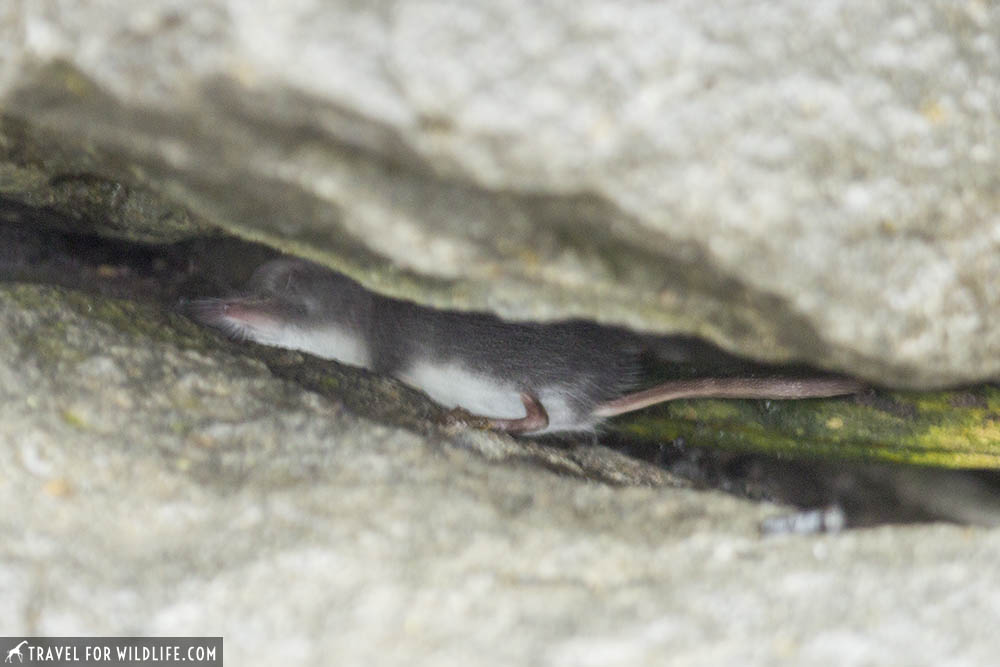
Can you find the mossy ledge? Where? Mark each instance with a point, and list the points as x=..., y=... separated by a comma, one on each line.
x=953, y=429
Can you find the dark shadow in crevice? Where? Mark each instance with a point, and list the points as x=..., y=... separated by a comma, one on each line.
x=862, y=494
x=37, y=246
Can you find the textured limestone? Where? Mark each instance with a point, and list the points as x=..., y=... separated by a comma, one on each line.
x=154, y=482
x=816, y=181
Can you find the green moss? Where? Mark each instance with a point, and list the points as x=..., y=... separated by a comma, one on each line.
x=949, y=429
x=75, y=420
x=135, y=319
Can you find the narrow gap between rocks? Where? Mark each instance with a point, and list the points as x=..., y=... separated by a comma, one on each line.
x=36, y=246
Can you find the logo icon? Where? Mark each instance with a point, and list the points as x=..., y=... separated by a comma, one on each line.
x=16, y=651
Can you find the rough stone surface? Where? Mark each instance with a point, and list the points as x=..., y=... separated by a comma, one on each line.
x=798, y=180
x=155, y=483
x=811, y=180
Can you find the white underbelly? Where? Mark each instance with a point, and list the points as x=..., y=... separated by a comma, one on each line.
x=327, y=342
x=453, y=385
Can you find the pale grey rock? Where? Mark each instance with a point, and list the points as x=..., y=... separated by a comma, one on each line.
x=811, y=180
x=792, y=180
x=156, y=484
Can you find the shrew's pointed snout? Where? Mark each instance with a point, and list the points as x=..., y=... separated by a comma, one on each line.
x=239, y=318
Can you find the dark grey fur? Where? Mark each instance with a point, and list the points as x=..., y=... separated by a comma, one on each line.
x=587, y=367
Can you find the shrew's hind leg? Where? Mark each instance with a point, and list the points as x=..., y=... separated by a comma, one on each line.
x=535, y=418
